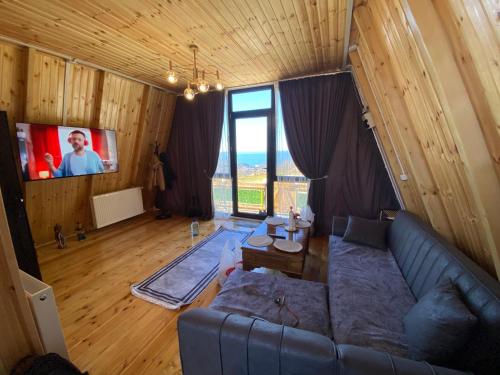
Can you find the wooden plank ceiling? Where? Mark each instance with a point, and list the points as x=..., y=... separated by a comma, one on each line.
x=249, y=41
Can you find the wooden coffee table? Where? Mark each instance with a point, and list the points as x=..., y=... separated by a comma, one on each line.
x=268, y=256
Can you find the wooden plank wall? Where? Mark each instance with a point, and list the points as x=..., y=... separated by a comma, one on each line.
x=473, y=31
x=12, y=82
x=428, y=72
x=39, y=87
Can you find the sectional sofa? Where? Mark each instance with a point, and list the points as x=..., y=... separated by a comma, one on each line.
x=352, y=325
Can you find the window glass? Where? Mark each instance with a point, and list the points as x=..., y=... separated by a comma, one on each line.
x=251, y=164
x=252, y=100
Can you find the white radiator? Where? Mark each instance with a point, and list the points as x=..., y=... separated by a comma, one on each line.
x=44, y=309
x=119, y=205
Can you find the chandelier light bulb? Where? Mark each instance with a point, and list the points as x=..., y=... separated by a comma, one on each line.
x=189, y=92
x=171, y=75
x=203, y=85
x=218, y=85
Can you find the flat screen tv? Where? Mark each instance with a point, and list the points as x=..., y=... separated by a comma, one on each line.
x=51, y=151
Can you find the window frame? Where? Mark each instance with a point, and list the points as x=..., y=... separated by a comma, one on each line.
x=271, y=147
x=247, y=90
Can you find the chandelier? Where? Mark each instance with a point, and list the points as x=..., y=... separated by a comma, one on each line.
x=198, y=84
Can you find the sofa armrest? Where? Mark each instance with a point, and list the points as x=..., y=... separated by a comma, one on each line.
x=215, y=343
x=355, y=360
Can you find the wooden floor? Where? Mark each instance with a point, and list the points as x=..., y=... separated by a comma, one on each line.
x=107, y=330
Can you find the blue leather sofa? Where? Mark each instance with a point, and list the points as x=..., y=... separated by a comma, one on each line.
x=220, y=343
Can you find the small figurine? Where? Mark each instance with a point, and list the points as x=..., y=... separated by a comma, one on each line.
x=80, y=232
x=59, y=236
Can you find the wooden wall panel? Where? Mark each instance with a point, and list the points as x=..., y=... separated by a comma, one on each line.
x=120, y=110
x=81, y=93
x=13, y=86
x=45, y=88
x=419, y=93
x=474, y=37
x=85, y=97
x=12, y=82
x=444, y=78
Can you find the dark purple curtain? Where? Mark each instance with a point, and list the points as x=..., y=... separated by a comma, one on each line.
x=358, y=183
x=193, y=152
x=322, y=120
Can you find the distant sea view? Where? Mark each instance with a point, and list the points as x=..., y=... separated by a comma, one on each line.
x=258, y=159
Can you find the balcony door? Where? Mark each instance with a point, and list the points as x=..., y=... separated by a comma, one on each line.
x=252, y=149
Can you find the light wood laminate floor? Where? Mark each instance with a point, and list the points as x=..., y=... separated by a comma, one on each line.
x=109, y=331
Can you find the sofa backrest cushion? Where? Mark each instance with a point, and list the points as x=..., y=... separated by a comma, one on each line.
x=367, y=232
x=339, y=225
x=425, y=258
x=439, y=325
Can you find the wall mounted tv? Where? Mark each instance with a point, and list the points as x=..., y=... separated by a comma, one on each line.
x=51, y=151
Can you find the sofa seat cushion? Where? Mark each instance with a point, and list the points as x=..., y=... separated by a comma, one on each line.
x=368, y=297
x=254, y=294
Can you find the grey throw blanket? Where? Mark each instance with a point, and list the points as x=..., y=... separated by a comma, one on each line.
x=368, y=297
x=303, y=304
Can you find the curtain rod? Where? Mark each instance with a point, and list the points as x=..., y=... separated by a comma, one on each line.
x=346, y=70
x=74, y=60
x=317, y=75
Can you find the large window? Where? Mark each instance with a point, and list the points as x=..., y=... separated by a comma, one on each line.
x=252, y=144
x=254, y=160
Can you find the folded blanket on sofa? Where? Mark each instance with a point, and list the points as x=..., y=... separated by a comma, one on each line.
x=254, y=294
x=368, y=297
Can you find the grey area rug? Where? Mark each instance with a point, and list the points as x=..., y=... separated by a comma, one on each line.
x=179, y=282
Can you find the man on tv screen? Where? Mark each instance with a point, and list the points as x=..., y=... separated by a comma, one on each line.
x=78, y=162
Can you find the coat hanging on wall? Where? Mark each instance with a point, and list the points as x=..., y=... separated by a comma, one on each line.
x=156, y=177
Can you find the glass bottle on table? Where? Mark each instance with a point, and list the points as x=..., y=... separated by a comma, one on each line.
x=195, y=228
x=291, y=220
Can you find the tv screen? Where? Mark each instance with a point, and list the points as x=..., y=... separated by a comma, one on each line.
x=50, y=151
